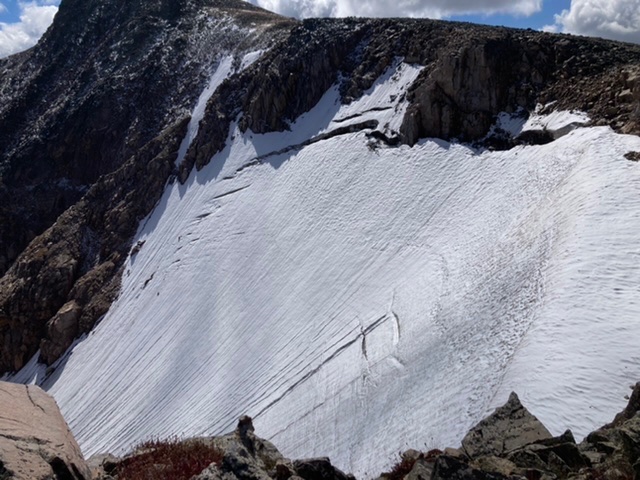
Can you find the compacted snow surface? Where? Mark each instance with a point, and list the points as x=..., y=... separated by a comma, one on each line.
x=358, y=299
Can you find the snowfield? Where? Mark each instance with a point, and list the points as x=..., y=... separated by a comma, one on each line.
x=358, y=299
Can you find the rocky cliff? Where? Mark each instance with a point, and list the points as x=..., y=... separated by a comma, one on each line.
x=92, y=118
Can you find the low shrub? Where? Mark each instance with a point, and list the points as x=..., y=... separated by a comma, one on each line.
x=170, y=459
x=400, y=469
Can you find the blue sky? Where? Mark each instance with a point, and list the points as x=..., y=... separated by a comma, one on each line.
x=546, y=16
x=22, y=22
x=12, y=9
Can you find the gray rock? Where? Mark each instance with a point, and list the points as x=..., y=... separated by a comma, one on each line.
x=454, y=452
x=449, y=468
x=527, y=459
x=284, y=470
x=633, y=406
x=508, y=428
x=422, y=470
x=35, y=441
x=411, y=455
x=318, y=469
x=595, y=458
x=103, y=466
x=495, y=465
x=212, y=472
x=630, y=435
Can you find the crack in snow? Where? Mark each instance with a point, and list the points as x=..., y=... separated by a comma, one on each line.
x=231, y=192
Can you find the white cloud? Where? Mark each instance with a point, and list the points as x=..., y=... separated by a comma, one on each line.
x=398, y=8
x=35, y=18
x=614, y=19
x=3, y=8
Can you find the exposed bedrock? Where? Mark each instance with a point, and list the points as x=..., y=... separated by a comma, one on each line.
x=35, y=441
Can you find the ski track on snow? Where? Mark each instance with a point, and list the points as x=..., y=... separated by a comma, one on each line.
x=358, y=300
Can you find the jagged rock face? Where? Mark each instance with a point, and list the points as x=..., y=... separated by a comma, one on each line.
x=92, y=119
x=35, y=441
x=470, y=83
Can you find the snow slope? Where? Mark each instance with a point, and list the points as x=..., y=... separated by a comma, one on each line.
x=357, y=299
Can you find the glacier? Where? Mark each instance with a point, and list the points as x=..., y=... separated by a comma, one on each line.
x=357, y=299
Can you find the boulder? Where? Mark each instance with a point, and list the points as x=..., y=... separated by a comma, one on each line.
x=422, y=470
x=508, y=428
x=62, y=330
x=35, y=441
x=495, y=465
x=103, y=466
x=633, y=406
x=617, y=444
x=318, y=469
x=450, y=468
x=557, y=452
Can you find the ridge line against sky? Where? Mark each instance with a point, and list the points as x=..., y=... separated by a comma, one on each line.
x=22, y=22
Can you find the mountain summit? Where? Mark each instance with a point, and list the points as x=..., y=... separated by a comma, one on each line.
x=209, y=210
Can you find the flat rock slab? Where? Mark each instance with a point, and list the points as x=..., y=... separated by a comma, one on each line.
x=35, y=441
x=507, y=428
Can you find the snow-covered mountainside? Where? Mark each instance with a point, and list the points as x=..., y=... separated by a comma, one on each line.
x=362, y=233
x=357, y=298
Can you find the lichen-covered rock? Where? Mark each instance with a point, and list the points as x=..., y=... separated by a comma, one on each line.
x=449, y=468
x=508, y=428
x=493, y=464
x=35, y=441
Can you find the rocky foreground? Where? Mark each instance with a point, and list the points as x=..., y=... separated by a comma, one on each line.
x=511, y=443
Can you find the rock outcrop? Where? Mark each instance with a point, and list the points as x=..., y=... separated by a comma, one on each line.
x=240, y=455
x=512, y=444
x=35, y=441
x=508, y=428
